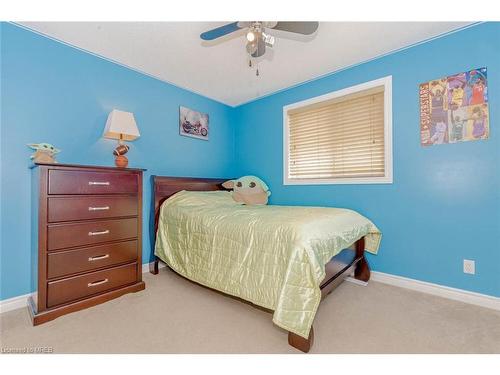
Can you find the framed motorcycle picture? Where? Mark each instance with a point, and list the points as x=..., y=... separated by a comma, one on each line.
x=193, y=123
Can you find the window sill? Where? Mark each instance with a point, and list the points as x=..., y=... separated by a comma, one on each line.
x=340, y=181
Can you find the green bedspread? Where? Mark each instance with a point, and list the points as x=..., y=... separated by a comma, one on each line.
x=272, y=256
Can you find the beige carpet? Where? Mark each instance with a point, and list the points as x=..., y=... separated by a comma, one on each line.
x=175, y=316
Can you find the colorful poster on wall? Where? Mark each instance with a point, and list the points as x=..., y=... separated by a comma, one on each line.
x=454, y=109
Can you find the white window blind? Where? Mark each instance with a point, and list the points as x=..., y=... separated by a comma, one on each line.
x=338, y=138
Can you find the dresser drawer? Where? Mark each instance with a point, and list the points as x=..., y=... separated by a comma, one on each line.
x=90, y=258
x=90, y=207
x=73, y=288
x=90, y=182
x=60, y=236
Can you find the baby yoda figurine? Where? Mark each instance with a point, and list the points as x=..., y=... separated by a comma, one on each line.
x=249, y=190
x=44, y=153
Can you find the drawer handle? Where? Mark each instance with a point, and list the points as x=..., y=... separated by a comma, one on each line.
x=95, y=283
x=104, y=208
x=99, y=257
x=99, y=233
x=106, y=183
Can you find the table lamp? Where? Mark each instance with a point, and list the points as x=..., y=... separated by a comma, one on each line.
x=122, y=126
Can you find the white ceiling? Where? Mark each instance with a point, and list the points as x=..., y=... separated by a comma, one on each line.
x=173, y=51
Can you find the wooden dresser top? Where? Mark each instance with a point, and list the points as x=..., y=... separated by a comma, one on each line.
x=60, y=165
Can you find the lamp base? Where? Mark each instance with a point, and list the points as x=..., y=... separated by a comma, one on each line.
x=121, y=161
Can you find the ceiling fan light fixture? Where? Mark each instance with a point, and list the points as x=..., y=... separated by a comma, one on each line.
x=251, y=36
x=252, y=47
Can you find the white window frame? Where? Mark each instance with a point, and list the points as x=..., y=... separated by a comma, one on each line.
x=387, y=178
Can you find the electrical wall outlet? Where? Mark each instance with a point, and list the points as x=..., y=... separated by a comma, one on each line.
x=469, y=266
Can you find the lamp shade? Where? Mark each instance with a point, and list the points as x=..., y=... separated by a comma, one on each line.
x=121, y=125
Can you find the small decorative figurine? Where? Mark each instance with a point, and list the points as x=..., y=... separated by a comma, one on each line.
x=44, y=153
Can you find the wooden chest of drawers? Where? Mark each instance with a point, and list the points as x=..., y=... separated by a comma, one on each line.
x=86, y=240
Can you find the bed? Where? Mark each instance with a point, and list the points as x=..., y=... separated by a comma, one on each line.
x=284, y=259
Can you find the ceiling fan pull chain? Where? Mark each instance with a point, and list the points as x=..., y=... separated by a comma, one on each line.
x=250, y=65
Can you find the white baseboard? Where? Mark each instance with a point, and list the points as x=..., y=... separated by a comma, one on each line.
x=14, y=303
x=356, y=281
x=461, y=295
x=22, y=301
x=402, y=282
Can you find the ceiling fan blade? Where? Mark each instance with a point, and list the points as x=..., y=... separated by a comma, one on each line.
x=269, y=24
x=305, y=28
x=220, y=31
x=243, y=24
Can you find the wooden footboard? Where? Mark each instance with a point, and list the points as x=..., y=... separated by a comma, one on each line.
x=153, y=267
x=300, y=343
x=362, y=271
x=341, y=266
x=336, y=272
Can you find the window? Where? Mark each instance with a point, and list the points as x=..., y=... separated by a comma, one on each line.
x=344, y=137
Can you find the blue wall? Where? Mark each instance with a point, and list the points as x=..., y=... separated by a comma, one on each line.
x=444, y=204
x=57, y=94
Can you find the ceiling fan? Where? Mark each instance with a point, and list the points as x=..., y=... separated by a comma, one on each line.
x=256, y=33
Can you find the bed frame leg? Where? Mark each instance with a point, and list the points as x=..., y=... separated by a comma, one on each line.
x=362, y=271
x=153, y=267
x=298, y=342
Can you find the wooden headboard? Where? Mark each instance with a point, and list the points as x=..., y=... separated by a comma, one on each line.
x=164, y=187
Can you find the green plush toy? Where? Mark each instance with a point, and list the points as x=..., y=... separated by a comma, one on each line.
x=249, y=190
x=44, y=153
